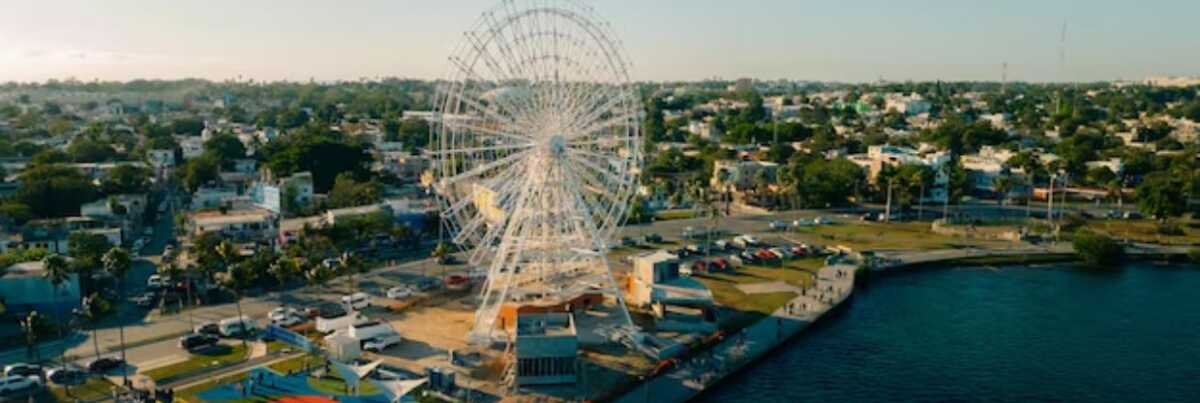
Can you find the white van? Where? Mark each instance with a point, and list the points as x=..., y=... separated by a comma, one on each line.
x=357, y=301
x=237, y=326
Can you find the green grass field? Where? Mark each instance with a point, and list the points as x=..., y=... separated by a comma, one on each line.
x=94, y=389
x=197, y=364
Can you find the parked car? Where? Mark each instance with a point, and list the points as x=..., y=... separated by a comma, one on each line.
x=284, y=316
x=104, y=364
x=778, y=225
x=208, y=328
x=357, y=301
x=765, y=255
x=22, y=369
x=782, y=252
x=146, y=300
x=400, y=292
x=381, y=342
x=627, y=241
x=155, y=282
x=67, y=376
x=718, y=264
x=237, y=327
x=427, y=284
x=749, y=257
x=745, y=241
x=195, y=342
x=654, y=238
x=18, y=383
x=699, y=266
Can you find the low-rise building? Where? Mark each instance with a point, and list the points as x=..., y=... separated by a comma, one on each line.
x=242, y=225
x=742, y=174
x=879, y=156
x=25, y=289
x=283, y=195
x=656, y=280
x=546, y=349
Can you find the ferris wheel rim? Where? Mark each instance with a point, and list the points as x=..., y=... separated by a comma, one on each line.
x=601, y=122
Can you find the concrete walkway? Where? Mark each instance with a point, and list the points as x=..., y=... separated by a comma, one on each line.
x=834, y=284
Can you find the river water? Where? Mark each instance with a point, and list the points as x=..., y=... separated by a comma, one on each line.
x=1010, y=334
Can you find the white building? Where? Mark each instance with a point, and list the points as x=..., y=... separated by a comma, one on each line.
x=912, y=104
x=240, y=224
x=880, y=156
x=741, y=174
x=269, y=194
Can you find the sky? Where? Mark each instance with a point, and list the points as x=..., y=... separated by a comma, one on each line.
x=852, y=41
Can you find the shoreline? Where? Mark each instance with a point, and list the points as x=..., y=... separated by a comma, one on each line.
x=677, y=385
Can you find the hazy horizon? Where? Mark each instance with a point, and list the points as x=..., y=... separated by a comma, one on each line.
x=123, y=40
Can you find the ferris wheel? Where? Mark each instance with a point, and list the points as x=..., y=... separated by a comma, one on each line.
x=537, y=147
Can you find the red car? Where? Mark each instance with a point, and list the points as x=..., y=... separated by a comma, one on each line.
x=765, y=255
x=699, y=266
x=719, y=264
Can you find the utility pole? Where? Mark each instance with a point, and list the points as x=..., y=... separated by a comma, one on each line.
x=1050, y=199
x=887, y=216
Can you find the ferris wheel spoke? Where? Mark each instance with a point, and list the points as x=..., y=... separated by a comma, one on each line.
x=472, y=150
x=459, y=126
x=485, y=168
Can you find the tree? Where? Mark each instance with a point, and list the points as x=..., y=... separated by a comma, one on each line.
x=225, y=148
x=187, y=126
x=55, y=190
x=125, y=179
x=86, y=149
x=237, y=278
x=57, y=272
x=87, y=250
x=117, y=263
x=1097, y=250
x=1162, y=195
x=325, y=154
x=18, y=212
x=199, y=171
x=821, y=183
x=348, y=192
x=1003, y=185
x=94, y=306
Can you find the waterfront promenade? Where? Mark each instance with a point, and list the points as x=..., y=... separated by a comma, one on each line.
x=833, y=286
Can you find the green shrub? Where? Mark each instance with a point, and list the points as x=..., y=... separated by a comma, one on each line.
x=1170, y=229
x=1098, y=250
x=1194, y=254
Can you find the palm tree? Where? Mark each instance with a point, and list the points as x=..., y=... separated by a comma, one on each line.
x=236, y=279
x=93, y=307
x=348, y=266
x=31, y=326
x=172, y=272
x=1003, y=184
x=117, y=263
x=57, y=272
x=283, y=269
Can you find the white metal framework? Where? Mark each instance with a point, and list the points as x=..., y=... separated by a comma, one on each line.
x=537, y=148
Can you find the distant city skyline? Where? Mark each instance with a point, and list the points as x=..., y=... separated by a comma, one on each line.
x=857, y=41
